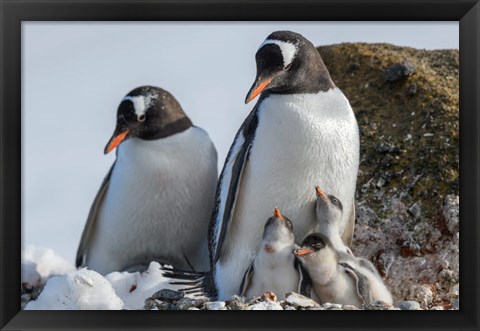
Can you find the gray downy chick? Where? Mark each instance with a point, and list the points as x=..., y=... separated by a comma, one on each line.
x=337, y=277
x=275, y=268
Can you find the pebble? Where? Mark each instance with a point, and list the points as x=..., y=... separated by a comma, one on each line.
x=298, y=300
x=215, y=305
x=436, y=308
x=288, y=307
x=168, y=295
x=266, y=305
x=331, y=306
x=399, y=71
x=378, y=305
x=150, y=303
x=237, y=303
x=409, y=305
x=187, y=303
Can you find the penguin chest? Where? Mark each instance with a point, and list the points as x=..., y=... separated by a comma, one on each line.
x=275, y=274
x=158, y=201
x=301, y=141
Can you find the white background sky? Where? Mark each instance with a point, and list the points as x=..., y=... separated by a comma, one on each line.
x=75, y=74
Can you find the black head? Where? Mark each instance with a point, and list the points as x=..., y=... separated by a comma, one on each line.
x=148, y=113
x=313, y=243
x=288, y=63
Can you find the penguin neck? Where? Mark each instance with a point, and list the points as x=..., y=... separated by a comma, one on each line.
x=274, y=253
x=159, y=130
x=323, y=269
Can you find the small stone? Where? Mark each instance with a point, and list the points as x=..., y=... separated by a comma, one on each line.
x=187, y=303
x=331, y=306
x=378, y=305
x=215, y=305
x=268, y=296
x=412, y=90
x=150, y=303
x=266, y=305
x=193, y=308
x=288, y=307
x=399, y=71
x=168, y=295
x=298, y=300
x=238, y=303
x=409, y=305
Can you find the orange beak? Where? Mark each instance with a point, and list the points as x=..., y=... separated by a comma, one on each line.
x=256, y=89
x=303, y=251
x=115, y=141
x=320, y=193
x=276, y=214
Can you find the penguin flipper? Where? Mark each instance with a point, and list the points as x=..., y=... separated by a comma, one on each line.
x=228, y=185
x=89, y=228
x=305, y=282
x=247, y=278
x=361, y=282
x=347, y=235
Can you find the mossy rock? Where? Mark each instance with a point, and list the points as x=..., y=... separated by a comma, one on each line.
x=409, y=129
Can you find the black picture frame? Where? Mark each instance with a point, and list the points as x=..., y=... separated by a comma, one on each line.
x=13, y=12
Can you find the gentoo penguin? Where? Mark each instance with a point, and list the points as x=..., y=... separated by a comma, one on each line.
x=338, y=277
x=301, y=131
x=155, y=201
x=275, y=268
x=329, y=212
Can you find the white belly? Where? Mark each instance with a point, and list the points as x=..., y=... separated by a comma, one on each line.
x=158, y=203
x=301, y=141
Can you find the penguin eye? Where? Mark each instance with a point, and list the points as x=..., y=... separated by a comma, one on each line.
x=335, y=201
x=141, y=118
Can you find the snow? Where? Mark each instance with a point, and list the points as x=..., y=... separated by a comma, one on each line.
x=77, y=290
x=39, y=264
x=69, y=289
x=134, y=288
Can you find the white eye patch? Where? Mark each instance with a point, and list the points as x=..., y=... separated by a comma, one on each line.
x=140, y=103
x=288, y=50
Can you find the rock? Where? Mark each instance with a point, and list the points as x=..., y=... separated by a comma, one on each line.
x=298, y=300
x=166, y=306
x=168, y=295
x=268, y=296
x=215, y=305
x=412, y=90
x=378, y=305
x=409, y=305
x=288, y=307
x=450, y=212
x=193, y=308
x=237, y=303
x=399, y=71
x=187, y=303
x=331, y=306
x=266, y=305
x=150, y=303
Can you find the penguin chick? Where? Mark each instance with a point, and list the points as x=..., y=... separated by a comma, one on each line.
x=339, y=278
x=329, y=214
x=275, y=268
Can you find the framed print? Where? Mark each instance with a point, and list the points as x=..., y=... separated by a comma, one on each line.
x=310, y=156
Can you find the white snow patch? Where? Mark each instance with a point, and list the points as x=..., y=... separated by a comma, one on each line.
x=86, y=289
x=288, y=50
x=140, y=103
x=134, y=288
x=77, y=290
x=39, y=264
